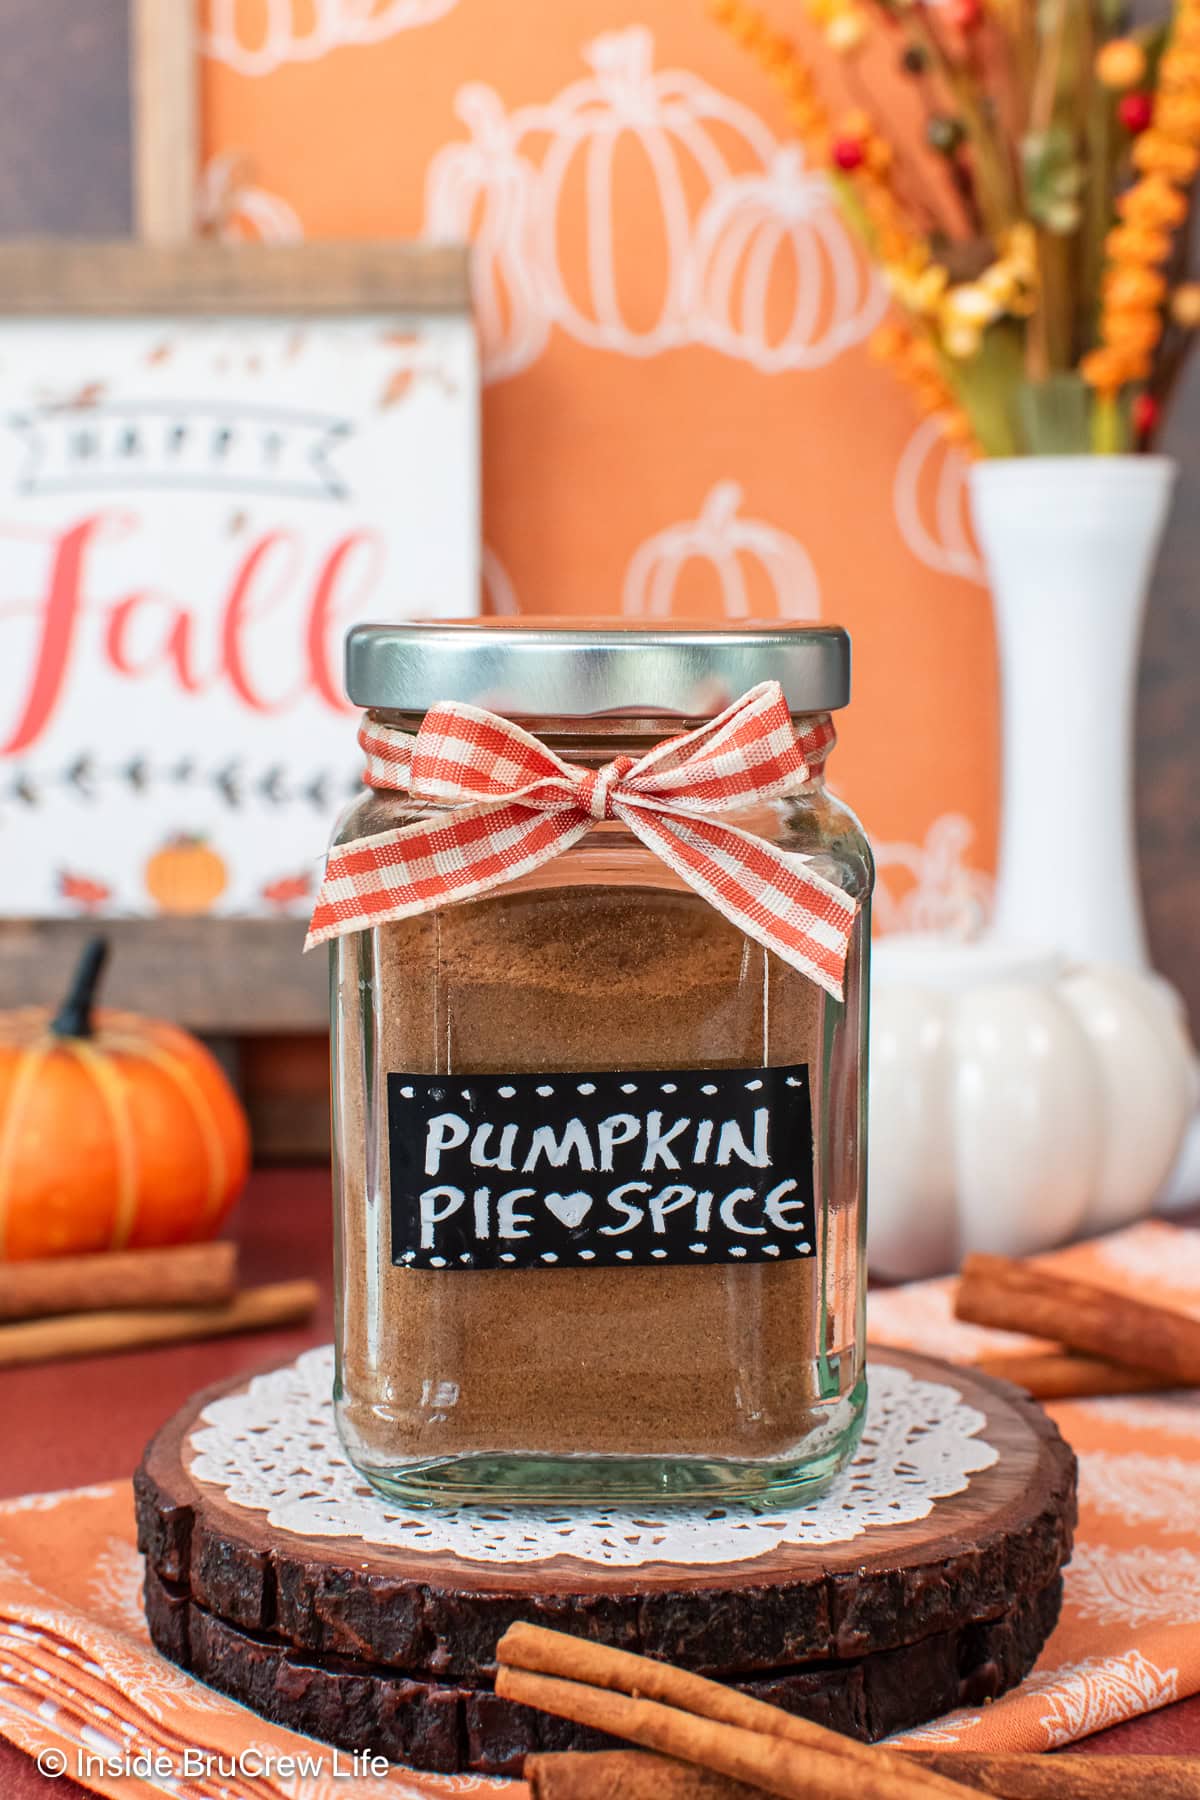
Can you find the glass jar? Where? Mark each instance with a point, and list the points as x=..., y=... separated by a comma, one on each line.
x=598, y=1155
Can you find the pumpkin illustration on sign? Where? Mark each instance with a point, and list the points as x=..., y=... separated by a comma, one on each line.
x=116, y=1131
x=185, y=876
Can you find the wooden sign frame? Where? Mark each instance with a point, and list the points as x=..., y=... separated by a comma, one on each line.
x=214, y=975
x=165, y=107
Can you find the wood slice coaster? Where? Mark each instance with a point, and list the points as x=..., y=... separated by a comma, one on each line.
x=1005, y=1536
x=457, y=1726
x=393, y=1649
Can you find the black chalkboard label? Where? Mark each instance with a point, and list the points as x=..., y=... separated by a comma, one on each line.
x=587, y=1171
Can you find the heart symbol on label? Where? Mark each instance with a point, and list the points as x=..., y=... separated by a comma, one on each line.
x=569, y=1209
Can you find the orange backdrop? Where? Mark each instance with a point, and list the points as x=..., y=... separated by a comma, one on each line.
x=681, y=414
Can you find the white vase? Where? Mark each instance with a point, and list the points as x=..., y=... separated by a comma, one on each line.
x=1017, y=1100
x=1069, y=543
x=1036, y=1085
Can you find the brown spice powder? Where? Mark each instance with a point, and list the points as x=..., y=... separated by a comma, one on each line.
x=671, y=1361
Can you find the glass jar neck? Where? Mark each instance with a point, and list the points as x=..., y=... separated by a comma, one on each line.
x=586, y=740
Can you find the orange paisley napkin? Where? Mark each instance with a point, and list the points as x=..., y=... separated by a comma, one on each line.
x=1127, y=1640
x=79, y=1679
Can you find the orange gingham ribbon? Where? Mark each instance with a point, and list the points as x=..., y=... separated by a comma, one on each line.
x=514, y=805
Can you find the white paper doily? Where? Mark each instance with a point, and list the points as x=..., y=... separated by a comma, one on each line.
x=274, y=1449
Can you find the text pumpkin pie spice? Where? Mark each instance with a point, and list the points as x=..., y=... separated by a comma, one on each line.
x=583, y=1289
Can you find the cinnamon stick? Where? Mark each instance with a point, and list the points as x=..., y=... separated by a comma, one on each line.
x=639, y=1775
x=91, y=1334
x=1064, y=1375
x=597, y=1677
x=627, y=1775
x=1068, y=1776
x=791, y=1770
x=1021, y=1296
x=184, y=1275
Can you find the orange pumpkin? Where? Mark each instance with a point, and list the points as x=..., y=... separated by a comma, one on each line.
x=115, y=1131
x=185, y=876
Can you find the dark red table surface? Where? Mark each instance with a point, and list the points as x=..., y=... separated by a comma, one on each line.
x=71, y=1423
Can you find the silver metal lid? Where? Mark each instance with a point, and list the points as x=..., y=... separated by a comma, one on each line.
x=581, y=669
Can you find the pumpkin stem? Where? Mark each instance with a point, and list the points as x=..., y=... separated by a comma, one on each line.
x=74, y=1017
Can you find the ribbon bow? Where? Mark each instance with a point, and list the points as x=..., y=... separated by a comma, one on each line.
x=515, y=805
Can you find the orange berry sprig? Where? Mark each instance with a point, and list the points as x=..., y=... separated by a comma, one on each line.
x=859, y=162
x=864, y=157
x=784, y=67
x=1166, y=155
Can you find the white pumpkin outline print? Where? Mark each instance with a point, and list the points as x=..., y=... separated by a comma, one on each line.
x=512, y=175
x=942, y=541
x=745, y=225
x=499, y=594
x=487, y=181
x=947, y=895
x=722, y=536
x=333, y=23
x=224, y=196
x=667, y=112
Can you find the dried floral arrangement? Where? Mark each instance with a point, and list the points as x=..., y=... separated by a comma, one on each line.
x=1022, y=171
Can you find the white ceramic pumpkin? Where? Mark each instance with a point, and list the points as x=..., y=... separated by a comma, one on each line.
x=1015, y=1102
